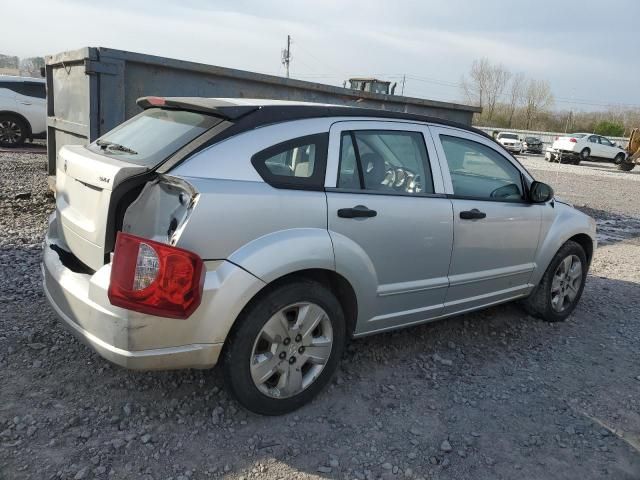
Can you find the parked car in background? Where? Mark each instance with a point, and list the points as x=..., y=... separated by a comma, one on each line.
x=532, y=144
x=510, y=141
x=267, y=233
x=23, y=110
x=582, y=146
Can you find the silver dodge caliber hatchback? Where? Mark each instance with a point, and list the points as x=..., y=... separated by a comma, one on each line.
x=264, y=234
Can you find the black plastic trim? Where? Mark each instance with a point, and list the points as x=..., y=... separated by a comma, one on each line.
x=485, y=199
x=314, y=182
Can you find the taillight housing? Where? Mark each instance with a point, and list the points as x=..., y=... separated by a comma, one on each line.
x=573, y=140
x=155, y=278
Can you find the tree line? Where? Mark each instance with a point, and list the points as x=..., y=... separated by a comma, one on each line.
x=27, y=67
x=513, y=100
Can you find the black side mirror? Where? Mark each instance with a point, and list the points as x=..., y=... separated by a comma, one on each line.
x=540, y=192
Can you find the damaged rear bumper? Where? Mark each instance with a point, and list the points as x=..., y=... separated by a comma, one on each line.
x=135, y=340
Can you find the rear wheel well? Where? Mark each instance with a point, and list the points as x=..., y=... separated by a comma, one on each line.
x=586, y=243
x=335, y=282
x=21, y=117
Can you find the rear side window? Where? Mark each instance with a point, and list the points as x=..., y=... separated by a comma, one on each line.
x=33, y=89
x=299, y=163
x=154, y=135
x=386, y=161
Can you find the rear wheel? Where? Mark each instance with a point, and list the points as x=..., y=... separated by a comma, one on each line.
x=13, y=131
x=584, y=154
x=561, y=287
x=285, y=348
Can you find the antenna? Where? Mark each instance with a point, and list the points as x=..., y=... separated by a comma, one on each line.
x=286, y=55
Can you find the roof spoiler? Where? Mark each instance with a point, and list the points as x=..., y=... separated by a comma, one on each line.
x=211, y=106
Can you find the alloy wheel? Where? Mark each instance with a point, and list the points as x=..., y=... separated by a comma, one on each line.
x=566, y=283
x=291, y=350
x=10, y=132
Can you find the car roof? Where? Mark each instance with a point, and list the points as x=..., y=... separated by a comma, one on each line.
x=258, y=112
x=14, y=78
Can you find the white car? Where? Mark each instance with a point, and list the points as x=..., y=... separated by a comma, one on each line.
x=23, y=110
x=510, y=141
x=581, y=146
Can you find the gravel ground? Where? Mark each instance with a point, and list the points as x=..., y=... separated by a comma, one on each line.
x=488, y=395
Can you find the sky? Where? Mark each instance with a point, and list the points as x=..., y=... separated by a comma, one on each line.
x=587, y=50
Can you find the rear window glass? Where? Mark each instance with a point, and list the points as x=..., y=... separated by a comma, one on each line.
x=152, y=136
x=510, y=136
x=578, y=135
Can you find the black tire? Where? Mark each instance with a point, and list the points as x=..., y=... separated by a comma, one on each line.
x=13, y=130
x=619, y=158
x=626, y=166
x=538, y=303
x=238, y=350
x=576, y=161
x=584, y=154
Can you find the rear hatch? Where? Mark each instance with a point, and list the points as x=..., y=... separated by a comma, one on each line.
x=87, y=178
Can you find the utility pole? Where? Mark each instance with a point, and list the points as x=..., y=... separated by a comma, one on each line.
x=404, y=78
x=286, y=55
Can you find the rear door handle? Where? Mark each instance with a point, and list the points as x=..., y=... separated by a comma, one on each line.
x=472, y=214
x=25, y=103
x=356, y=212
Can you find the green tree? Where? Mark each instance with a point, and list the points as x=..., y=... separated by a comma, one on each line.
x=609, y=128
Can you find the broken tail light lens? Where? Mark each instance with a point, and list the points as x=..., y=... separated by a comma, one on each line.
x=155, y=278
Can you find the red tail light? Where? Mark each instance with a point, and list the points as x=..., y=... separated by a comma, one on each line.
x=155, y=278
x=573, y=140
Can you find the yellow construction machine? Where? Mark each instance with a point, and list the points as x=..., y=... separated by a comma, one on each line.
x=633, y=152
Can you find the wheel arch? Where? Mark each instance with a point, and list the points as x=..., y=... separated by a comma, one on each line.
x=336, y=283
x=567, y=225
x=586, y=243
x=21, y=117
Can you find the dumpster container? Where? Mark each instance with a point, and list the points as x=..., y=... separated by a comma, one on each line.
x=93, y=89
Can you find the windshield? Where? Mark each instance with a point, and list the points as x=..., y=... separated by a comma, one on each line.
x=152, y=136
x=510, y=136
x=531, y=140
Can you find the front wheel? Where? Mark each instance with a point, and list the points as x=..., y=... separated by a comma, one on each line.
x=561, y=287
x=619, y=158
x=285, y=348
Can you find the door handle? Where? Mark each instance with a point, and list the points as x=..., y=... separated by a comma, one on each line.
x=25, y=103
x=472, y=214
x=357, y=211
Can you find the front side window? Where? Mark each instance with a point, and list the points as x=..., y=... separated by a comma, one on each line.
x=386, y=161
x=478, y=171
x=605, y=141
x=298, y=163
